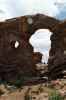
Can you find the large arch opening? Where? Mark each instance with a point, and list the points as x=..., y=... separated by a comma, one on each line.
x=40, y=41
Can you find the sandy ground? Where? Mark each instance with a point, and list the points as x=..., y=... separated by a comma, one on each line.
x=37, y=92
x=34, y=92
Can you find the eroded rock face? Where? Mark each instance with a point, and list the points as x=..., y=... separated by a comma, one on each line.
x=16, y=54
x=57, y=60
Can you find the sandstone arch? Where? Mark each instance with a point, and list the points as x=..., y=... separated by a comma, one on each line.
x=21, y=60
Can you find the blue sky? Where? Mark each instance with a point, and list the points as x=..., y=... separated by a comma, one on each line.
x=41, y=39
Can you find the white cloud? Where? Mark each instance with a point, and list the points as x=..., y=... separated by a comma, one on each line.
x=46, y=7
x=60, y=4
x=13, y=8
x=60, y=1
x=40, y=40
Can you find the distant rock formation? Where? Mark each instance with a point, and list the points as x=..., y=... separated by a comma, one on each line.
x=17, y=58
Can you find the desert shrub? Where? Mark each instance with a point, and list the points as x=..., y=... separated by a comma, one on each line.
x=40, y=88
x=54, y=95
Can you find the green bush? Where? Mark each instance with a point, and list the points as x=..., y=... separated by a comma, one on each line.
x=55, y=96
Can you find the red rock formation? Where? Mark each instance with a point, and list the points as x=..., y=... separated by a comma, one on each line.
x=57, y=60
x=16, y=62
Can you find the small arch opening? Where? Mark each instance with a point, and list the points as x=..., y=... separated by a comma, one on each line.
x=15, y=44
